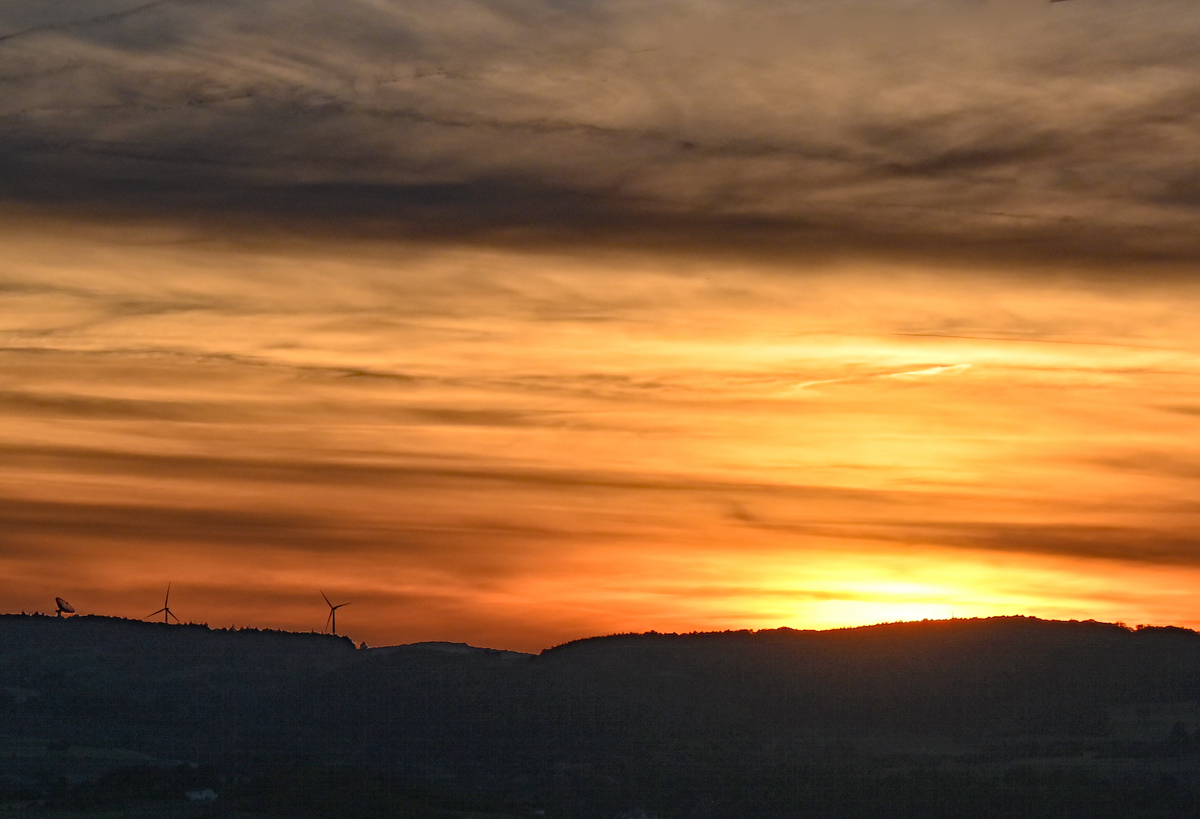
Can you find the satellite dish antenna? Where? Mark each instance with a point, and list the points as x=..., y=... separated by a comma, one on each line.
x=165, y=611
x=64, y=607
x=331, y=620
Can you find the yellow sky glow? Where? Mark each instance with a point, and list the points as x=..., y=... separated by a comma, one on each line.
x=519, y=448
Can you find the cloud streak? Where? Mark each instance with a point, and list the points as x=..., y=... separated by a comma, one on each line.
x=1061, y=134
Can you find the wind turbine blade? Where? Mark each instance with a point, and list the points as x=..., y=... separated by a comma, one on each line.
x=151, y=614
x=167, y=601
x=326, y=599
x=339, y=605
x=327, y=620
x=172, y=614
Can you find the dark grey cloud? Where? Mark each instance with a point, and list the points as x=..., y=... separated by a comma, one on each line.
x=1182, y=409
x=61, y=405
x=99, y=407
x=893, y=518
x=411, y=469
x=1133, y=544
x=475, y=549
x=1067, y=131
x=1156, y=463
x=50, y=522
x=24, y=19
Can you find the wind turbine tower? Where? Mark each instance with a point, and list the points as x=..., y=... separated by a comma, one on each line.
x=165, y=611
x=331, y=620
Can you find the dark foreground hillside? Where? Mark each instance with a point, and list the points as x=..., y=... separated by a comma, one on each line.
x=1004, y=717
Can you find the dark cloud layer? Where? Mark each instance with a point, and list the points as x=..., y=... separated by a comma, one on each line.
x=1061, y=132
x=1131, y=544
x=894, y=517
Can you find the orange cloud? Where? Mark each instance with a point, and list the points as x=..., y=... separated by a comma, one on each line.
x=519, y=448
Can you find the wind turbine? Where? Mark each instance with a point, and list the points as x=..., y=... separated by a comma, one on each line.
x=64, y=607
x=165, y=611
x=331, y=620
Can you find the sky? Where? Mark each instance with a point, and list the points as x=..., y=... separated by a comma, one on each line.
x=518, y=322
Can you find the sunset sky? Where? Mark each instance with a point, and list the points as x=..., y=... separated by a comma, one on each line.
x=517, y=322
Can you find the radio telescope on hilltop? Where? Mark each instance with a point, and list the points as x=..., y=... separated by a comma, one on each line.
x=165, y=611
x=331, y=620
x=64, y=607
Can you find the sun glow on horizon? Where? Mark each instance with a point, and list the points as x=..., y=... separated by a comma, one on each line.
x=516, y=449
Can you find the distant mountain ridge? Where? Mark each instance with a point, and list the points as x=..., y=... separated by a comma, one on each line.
x=449, y=648
x=626, y=719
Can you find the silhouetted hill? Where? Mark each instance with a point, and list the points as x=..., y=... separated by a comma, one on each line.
x=1014, y=713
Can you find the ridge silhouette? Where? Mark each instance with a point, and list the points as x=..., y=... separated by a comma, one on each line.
x=967, y=712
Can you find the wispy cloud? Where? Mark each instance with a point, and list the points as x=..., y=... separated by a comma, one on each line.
x=1065, y=132
x=936, y=369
